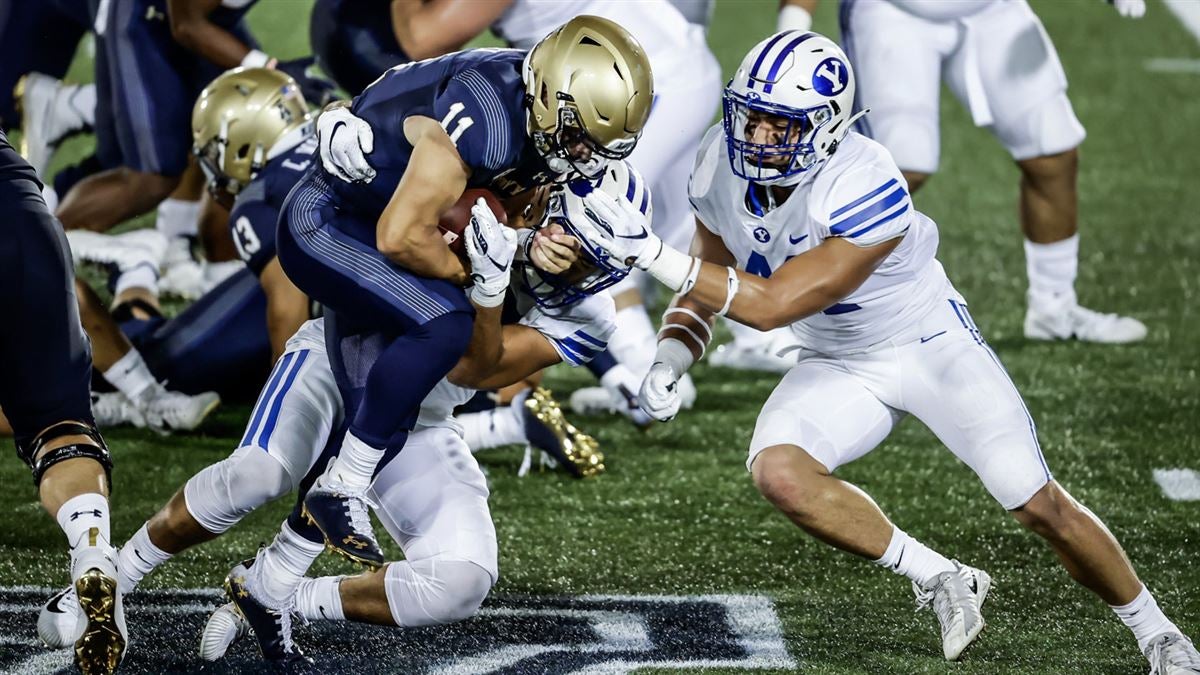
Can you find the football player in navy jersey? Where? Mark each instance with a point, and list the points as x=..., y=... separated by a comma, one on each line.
x=47, y=366
x=370, y=250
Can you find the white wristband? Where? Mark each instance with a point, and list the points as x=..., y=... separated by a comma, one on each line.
x=793, y=17
x=672, y=268
x=732, y=285
x=675, y=355
x=255, y=59
x=484, y=300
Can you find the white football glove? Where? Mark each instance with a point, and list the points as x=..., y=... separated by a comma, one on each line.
x=345, y=141
x=1130, y=9
x=659, y=394
x=491, y=247
x=628, y=237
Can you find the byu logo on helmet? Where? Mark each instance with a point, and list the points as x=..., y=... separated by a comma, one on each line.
x=829, y=79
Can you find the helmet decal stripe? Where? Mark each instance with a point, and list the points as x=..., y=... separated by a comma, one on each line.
x=762, y=56
x=864, y=198
x=783, y=57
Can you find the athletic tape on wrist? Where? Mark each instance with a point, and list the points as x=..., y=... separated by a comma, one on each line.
x=694, y=316
x=255, y=59
x=733, y=284
x=703, y=345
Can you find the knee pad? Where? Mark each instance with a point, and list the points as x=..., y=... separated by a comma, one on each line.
x=39, y=465
x=224, y=493
x=430, y=592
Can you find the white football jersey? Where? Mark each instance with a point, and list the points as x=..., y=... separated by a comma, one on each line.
x=940, y=10
x=656, y=24
x=858, y=195
x=578, y=333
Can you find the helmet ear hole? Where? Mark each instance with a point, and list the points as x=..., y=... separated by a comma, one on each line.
x=243, y=151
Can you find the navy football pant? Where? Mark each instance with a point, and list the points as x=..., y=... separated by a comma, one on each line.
x=45, y=357
x=392, y=335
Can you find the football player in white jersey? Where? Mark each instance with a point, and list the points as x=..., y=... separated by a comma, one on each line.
x=687, y=88
x=434, y=487
x=999, y=62
x=803, y=222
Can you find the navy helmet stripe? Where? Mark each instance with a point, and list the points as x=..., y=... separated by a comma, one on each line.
x=783, y=57
x=762, y=56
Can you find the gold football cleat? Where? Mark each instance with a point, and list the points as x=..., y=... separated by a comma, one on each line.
x=100, y=648
x=548, y=430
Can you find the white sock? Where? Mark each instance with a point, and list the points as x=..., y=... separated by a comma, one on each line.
x=84, y=519
x=1144, y=618
x=178, y=218
x=1052, y=268
x=130, y=375
x=320, y=599
x=355, y=463
x=142, y=275
x=908, y=557
x=503, y=425
x=633, y=342
x=281, y=566
x=138, y=557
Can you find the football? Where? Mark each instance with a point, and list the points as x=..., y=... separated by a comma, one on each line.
x=454, y=221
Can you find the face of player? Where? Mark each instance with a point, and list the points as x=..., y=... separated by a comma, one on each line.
x=763, y=128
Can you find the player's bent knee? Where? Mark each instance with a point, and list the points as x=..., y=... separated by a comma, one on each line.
x=47, y=449
x=1051, y=512
x=430, y=592
x=784, y=475
x=222, y=494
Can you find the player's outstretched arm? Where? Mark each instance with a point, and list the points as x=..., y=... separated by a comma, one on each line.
x=429, y=28
x=407, y=231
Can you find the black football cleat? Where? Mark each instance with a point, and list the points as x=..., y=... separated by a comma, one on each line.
x=344, y=520
x=271, y=627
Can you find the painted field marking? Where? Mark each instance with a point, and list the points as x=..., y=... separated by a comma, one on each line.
x=1179, y=485
x=1188, y=13
x=1184, y=66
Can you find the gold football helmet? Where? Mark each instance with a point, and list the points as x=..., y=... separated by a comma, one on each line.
x=243, y=119
x=588, y=90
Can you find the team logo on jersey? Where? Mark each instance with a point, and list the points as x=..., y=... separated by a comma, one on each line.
x=761, y=235
x=830, y=77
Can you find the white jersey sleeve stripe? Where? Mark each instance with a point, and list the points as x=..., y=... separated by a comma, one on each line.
x=864, y=198
x=876, y=209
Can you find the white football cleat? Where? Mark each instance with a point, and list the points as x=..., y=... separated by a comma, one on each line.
x=58, y=623
x=760, y=358
x=126, y=251
x=102, y=641
x=224, y=627
x=47, y=116
x=618, y=394
x=114, y=409
x=957, y=598
x=1172, y=654
x=1065, y=319
x=166, y=410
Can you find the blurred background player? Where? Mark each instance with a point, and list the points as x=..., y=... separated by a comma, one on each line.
x=687, y=78
x=44, y=394
x=370, y=251
x=884, y=331
x=999, y=62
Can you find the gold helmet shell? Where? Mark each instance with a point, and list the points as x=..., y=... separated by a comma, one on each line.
x=588, y=90
x=243, y=119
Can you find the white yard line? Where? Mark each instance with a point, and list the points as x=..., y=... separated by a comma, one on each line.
x=1179, y=485
x=1186, y=66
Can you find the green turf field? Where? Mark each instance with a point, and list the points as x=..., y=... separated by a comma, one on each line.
x=676, y=513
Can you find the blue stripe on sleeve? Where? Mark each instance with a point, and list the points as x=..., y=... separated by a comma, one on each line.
x=879, y=222
x=879, y=207
x=864, y=198
x=596, y=341
x=568, y=354
x=264, y=436
x=583, y=350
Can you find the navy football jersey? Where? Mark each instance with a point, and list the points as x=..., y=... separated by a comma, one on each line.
x=12, y=165
x=478, y=97
x=256, y=211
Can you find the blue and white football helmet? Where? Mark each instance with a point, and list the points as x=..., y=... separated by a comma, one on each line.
x=596, y=270
x=798, y=76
